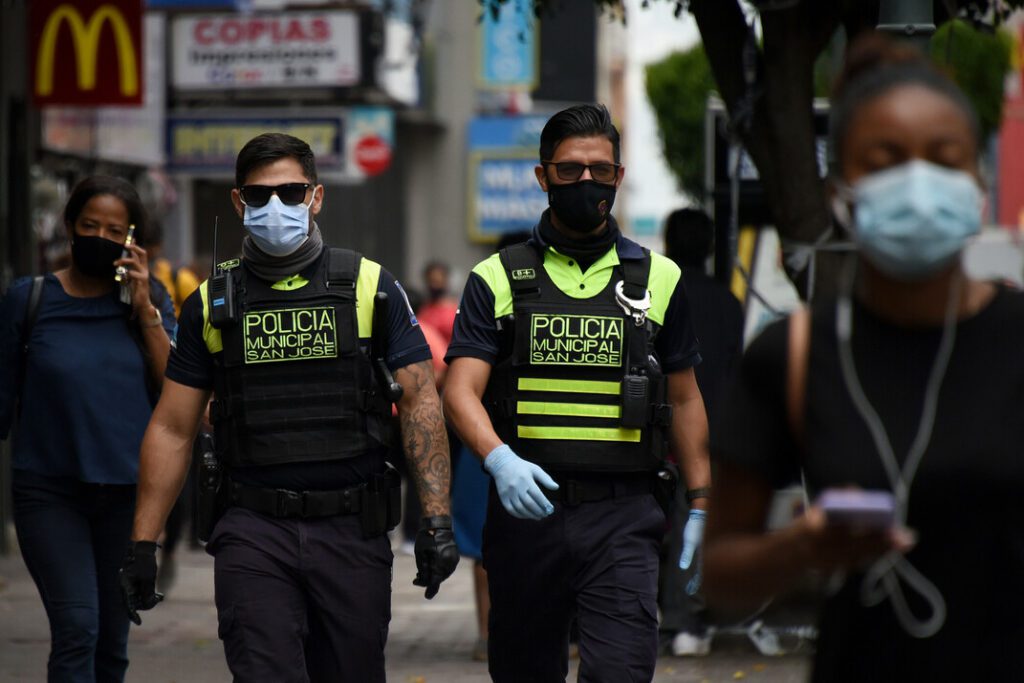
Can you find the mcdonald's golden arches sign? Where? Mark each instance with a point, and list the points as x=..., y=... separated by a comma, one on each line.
x=86, y=52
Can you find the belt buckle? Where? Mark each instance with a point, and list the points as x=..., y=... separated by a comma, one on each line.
x=290, y=503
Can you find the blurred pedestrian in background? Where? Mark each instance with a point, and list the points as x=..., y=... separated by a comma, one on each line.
x=179, y=281
x=439, y=309
x=718, y=323
x=79, y=373
x=910, y=383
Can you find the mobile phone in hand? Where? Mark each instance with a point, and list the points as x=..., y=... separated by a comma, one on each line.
x=871, y=509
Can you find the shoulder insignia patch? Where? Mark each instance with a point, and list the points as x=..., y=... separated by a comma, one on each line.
x=228, y=265
x=523, y=274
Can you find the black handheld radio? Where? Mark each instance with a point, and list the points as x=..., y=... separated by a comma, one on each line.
x=221, y=292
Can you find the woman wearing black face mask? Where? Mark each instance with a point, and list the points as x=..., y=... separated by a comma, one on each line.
x=76, y=380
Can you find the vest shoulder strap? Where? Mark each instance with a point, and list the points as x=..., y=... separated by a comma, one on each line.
x=343, y=269
x=32, y=306
x=521, y=263
x=35, y=298
x=635, y=275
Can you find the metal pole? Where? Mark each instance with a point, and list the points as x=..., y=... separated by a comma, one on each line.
x=913, y=20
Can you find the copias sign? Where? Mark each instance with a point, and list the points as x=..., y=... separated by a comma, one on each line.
x=86, y=52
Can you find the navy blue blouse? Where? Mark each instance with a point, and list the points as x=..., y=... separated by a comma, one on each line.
x=84, y=405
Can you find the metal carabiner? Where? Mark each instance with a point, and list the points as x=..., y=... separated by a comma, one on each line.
x=637, y=309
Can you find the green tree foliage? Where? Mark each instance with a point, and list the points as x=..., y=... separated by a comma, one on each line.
x=978, y=61
x=678, y=88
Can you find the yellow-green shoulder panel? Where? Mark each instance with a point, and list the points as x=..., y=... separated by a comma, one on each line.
x=493, y=273
x=211, y=335
x=662, y=282
x=366, y=289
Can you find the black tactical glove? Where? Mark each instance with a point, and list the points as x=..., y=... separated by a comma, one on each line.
x=436, y=554
x=138, y=579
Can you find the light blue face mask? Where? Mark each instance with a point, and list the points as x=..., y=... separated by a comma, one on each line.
x=913, y=219
x=276, y=228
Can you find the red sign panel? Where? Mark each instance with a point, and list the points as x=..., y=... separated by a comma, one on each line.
x=86, y=52
x=373, y=155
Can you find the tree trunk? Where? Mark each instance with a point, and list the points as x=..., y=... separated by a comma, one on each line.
x=780, y=138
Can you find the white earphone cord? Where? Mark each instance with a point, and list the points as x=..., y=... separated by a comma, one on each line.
x=883, y=578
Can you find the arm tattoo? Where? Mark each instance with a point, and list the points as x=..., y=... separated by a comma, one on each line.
x=425, y=439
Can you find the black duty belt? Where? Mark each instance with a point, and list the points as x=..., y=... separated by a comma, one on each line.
x=284, y=503
x=591, y=490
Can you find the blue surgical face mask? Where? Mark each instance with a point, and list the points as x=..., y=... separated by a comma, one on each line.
x=276, y=228
x=913, y=219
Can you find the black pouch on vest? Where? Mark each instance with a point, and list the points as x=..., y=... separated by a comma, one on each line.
x=634, y=401
x=208, y=499
x=392, y=483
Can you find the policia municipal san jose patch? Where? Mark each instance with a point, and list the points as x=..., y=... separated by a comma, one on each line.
x=290, y=334
x=563, y=339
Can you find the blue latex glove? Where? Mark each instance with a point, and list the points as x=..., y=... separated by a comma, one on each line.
x=516, y=481
x=693, y=534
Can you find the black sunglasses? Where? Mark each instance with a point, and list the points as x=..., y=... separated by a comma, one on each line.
x=258, y=195
x=572, y=171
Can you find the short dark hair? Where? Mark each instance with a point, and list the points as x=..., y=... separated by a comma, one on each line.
x=689, y=237
x=581, y=121
x=269, y=147
x=97, y=185
x=876, y=64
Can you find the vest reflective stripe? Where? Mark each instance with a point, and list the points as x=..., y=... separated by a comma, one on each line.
x=568, y=409
x=580, y=433
x=570, y=386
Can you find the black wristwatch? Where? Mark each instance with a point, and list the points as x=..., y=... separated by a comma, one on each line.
x=694, y=494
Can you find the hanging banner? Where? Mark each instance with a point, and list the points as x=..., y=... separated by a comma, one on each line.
x=86, y=53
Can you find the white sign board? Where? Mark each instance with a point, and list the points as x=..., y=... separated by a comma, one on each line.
x=293, y=49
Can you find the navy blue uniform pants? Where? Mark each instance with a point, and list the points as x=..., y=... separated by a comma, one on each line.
x=73, y=537
x=301, y=599
x=596, y=561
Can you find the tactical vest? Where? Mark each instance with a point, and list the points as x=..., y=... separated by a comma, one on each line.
x=578, y=386
x=292, y=384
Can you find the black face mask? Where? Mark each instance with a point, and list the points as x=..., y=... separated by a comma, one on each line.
x=581, y=206
x=95, y=256
x=435, y=293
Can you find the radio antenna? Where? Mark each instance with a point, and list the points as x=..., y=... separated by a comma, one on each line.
x=213, y=267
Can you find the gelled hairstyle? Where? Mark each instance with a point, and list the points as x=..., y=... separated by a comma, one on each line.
x=584, y=120
x=875, y=65
x=97, y=185
x=269, y=147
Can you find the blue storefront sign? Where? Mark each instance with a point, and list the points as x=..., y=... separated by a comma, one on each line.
x=508, y=49
x=503, y=192
x=212, y=143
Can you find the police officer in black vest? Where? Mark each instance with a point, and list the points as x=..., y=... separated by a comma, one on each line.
x=295, y=344
x=571, y=366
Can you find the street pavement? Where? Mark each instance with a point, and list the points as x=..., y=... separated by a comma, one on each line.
x=429, y=642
